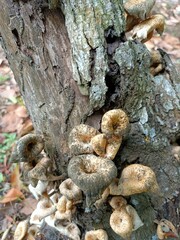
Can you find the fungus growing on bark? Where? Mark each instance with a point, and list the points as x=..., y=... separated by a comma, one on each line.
x=103, y=198
x=27, y=148
x=166, y=229
x=91, y=174
x=99, y=143
x=156, y=63
x=114, y=123
x=144, y=30
x=80, y=138
x=117, y=202
x=113, y=187
x=21, y=230
x=43, y=209
x=139, y=8
x=137, y=178
x=39, y=189
x=121, y=223
x=113, y=146
x=99, y=234
x=70, y=229
x=70, y=190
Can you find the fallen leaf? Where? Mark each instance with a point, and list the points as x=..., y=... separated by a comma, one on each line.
x=29, y=205
x=12, y=195
x=15, y=178
x=21, y=112
x=25, y=128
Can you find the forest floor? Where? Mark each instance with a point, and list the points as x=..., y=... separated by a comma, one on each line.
x=16, y=203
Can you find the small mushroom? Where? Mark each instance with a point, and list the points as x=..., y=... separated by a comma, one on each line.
x=99, y=143
x=70, y=190
x=118, y=202
x=91, y=174
x=114, y=122
x=139, y=8
x=144, y=30
x=137, y=178
x=40, y=188
x=21, y=230
x=80, y=138
x=27, y=148
x=137, y=222
x=43, y=209
x=166, y=229
x=113, y=146
x=156, y=63
x=32, y=232
x=99, y=234
x=121, y=223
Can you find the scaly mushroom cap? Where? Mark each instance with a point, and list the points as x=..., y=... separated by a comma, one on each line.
x=121, y=223
x=137, y=222
x=70, y=190
x=79, y=139
x=27, y=148
x=166, y=229
x=139, y=8
x=99, y=143
x=91, y=174
x=117, y=202
x=21, y=230
x=99, y=234
x=113, y=146
x=144, y=30
x=40, y=170
x=137, y=178
x=114, y=122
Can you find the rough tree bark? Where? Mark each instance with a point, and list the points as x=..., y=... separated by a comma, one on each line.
x=72, y=64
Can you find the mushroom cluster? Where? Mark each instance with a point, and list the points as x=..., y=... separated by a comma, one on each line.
x=91, y=168
x=140, y=20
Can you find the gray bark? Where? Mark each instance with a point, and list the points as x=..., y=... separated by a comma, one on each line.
x=71, y=72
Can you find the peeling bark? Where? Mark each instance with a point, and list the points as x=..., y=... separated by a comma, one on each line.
x=54, y=55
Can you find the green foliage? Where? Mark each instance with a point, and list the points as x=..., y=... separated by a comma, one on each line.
x=4, y=78
x=5, y=147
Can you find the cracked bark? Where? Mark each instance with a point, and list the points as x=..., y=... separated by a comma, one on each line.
x=55, y=58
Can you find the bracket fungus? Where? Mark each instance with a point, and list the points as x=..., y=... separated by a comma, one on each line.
x=166, y=229
x=27, y=148
x=70, y=190
x=98, y=234
x=137, y=178
x=144, y=30
x=91, y=174
x=79, y=139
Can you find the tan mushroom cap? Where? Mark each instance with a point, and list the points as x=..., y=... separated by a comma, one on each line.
x=99, y=234
x=139, y=8
x=70, y=190
x=166, y=229
x=79, y=139
x=99, y=143
x=121, y=223
x=113, y=146
x=27, y=148
x=21, y=230
x=91, y=174
x=144, y=30
x=118, y=202
x=114, y=122
x=137, y=178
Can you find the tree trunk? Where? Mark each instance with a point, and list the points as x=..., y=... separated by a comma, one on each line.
x=72, y=64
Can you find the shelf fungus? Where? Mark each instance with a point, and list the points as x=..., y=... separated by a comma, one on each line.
x=98, y=234
x=80, y=138
x=166, y=229
x=124, y=219
x=27, y=148
x=139, y=8
x=114, y=123
x=144, y=30
x=70, y=190
x=137, y=178
x=91, y=174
